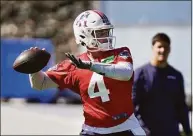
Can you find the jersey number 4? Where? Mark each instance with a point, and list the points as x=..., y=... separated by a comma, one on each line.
x=103, y=92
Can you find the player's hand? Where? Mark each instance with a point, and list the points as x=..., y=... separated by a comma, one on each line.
x=36, y=48
x=78, y=62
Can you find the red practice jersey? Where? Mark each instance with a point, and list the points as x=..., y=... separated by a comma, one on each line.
x=103, y=98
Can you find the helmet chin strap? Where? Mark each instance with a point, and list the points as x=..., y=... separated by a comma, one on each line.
x=96, y=49
x=104, y=46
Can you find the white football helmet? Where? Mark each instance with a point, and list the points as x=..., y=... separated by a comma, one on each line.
x=88, y=24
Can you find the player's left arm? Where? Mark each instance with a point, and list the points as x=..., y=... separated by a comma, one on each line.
x=182, y=108
x=120, y=71
x=123, y=70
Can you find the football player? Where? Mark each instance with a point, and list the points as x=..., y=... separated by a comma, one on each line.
x=102, y=76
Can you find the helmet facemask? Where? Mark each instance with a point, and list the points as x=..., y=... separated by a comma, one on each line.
x=101, y=39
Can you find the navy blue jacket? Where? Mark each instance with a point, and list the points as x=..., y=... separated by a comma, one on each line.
x=159, y=100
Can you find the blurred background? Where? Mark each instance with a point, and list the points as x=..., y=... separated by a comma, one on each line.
x=49, y=24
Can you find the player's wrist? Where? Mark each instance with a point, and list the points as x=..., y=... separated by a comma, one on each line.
x=89, y=65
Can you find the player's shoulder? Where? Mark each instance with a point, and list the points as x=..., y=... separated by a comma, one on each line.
x=141, y=70
x=122, y=51
x=144, y=67
x=175, y=71
x=60, y=66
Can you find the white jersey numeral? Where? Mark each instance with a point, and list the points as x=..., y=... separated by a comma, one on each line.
x=103, y=92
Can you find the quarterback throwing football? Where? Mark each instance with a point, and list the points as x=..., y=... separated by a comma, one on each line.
x=102, y=76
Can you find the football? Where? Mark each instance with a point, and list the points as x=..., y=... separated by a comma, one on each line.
x=31, y=61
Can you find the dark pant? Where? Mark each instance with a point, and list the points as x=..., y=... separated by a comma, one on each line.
x=123, y=133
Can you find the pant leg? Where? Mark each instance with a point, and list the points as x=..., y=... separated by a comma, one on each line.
x=124, y=133
x=88, y=133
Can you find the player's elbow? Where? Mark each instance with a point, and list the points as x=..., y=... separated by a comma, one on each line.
x=129, y=74
x=40, y=81
x=126, y=76
x=36, y=86
x=125, y=71
x=36, y=81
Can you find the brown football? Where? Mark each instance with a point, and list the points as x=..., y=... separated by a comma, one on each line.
x=31, y=61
